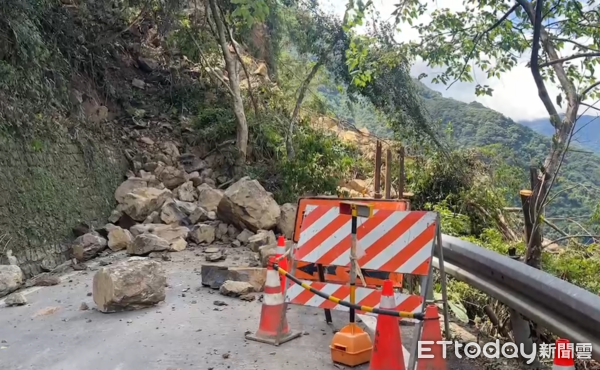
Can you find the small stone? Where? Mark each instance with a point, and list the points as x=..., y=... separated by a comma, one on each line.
x=15, y=299
x=235, y=288
x=84, y=307
x=248, y=297
x=220, y=303
x=225, y=355
x=215, y=257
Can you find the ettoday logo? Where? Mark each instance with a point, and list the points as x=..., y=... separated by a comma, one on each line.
x=507, y=350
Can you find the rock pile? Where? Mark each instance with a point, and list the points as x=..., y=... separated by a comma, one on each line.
x=173, y=200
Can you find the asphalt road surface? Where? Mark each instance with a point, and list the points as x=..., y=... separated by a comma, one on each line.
x=187, y=331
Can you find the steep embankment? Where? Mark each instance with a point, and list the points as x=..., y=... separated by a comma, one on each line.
x=81, y=97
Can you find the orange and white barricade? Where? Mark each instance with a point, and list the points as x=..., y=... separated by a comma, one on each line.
x=392, y=240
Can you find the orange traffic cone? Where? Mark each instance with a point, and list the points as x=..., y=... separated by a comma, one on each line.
x=273, y=327
x=432, y=332
x=280, y=251
x=387, y=349
x=563, y=355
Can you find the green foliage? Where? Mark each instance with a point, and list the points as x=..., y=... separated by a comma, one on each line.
x=249, y=12
x=321, y=161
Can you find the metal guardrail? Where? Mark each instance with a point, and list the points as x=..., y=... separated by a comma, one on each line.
x=563, y=308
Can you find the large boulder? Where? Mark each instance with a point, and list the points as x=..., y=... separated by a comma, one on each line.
x=11, y=279
x=209, y=198
x=168, y=232
x=128, y=186
x=119, y=238
x=171, y=214
x=170, y=176
x=88, y=246
x=146, y=243
x=203, y=233
x=247, y=204
x=287, y=220
x=186, y=192
x=129, y=285
x=140, y=203
x=214, y=276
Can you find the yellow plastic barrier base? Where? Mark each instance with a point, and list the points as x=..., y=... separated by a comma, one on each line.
x=351, y=346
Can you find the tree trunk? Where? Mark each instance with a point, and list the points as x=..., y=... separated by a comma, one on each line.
x=234, y=84
x=564, y=128
x=289, y=145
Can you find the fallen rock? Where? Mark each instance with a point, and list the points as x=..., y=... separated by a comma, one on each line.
x=191, y=163
x=203, y=233
x=177, y=245
x=170, y=233
x=247, y=204
x=146, y=243
x=186, y=192
x=209, y=198
x=215, y=257
x=235, y=288
x=221, y=231
x=265, y=253
x=171, y=214
x=140, y=203
x=171, y=176
x=248, y=297
x=11, y=279
x=128, y=186
x=129, y=285
x=232, y=232
x=358, y=185
x=119, y=238
x=214, y=276
x=244, y=236
x=257, y=241
x=115, y=216
x=15, y=299
x=287, y=220
x=153, y=218
x=195, y=178
x=88, y=246
x=199, y=215
x=187, y=207
x=138, y=83
x=43, y=280
x=83, y=306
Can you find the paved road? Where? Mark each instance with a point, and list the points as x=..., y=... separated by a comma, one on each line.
x=186, y=332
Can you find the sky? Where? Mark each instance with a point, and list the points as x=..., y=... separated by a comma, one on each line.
x=515, y=94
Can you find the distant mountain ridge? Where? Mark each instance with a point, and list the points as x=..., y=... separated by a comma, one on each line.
x=474, y=125
x=587, y=131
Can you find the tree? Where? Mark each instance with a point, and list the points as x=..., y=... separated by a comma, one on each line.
x=493, y=35
x=317, y=37
x=234, y=81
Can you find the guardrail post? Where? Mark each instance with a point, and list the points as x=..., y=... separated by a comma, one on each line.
x=378, y=170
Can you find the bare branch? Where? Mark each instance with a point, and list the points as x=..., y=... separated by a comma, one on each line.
x=588, y=89
x=570, y=57
x=571, y=237
x=590, y=106
x=207, y=66
x=560, y=39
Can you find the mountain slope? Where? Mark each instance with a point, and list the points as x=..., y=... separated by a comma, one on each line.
x=587, y=131
x=474, y=125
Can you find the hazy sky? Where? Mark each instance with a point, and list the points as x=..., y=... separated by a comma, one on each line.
x=515, y=94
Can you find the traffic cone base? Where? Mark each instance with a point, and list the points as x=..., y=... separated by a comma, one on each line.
x=563, y=355
x=387, y=350
x=273, y=327
x=432, y=332
x=351, y=346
